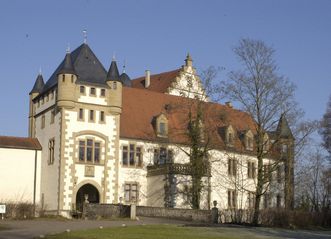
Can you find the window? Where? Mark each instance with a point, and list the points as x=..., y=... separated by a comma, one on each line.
x=232, y=199
x=251, y=169
x=103, y=92
x=52, y=94
x=72, y=78
x=102, y=116
x=82, y=89
x=92, y=91
x=279, y=174
x=131, y=192
x=114, y=85
x=63, y=78
x=47, y=97
x=251, y=200
x=249, y=142
x=161, y=126
x=267, y=172
x=132, y=156
x=81, y=114
x=43, y=121
x=91, y=116
x=51, y=144
x=52, y=116
x=162, y=129
x=230, y=138
x=89, y=151
x=266, y=200
x=163, y=156
x=232, y=167
x=279, y=201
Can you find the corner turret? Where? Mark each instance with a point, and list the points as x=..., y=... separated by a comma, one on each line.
x=115, y=84
x=66, y=83
x=36, y=90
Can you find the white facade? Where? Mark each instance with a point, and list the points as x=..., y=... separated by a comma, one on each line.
x=20, y=175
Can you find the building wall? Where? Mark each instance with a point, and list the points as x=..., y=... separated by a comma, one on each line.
x=17, y=168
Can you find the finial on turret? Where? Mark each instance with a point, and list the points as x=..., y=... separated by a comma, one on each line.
x=40, y=73
x=85, y=36
x=68, y=48
x=188, y=60
x=114, y=57
x=124, y=65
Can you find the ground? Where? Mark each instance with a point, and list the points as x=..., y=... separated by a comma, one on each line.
x=144, y=228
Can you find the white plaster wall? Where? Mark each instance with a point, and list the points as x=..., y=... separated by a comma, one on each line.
x=17, y=168
x=73, y=126
x=49, y=172
x=97, y=99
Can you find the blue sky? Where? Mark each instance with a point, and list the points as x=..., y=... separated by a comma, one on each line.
x=156, y=35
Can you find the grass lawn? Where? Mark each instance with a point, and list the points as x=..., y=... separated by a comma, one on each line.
x=155, y=232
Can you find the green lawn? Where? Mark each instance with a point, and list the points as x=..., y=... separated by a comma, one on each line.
x=156, y=231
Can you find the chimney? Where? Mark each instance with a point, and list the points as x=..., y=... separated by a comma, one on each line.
x=147, y=78
x=229, y=104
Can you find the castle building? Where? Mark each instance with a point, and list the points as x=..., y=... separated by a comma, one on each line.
x=109, y=139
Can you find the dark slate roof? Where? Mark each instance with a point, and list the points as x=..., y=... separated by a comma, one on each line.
x=125, y=80
x=19, y=143
x=283, y=129
x=113, y=74
x=67, y=67
x=38, y=85
x=87, y=67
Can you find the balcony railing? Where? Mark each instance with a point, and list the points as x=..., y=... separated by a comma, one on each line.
x=173, y=168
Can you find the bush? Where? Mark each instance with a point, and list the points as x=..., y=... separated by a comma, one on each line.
x=19, y=210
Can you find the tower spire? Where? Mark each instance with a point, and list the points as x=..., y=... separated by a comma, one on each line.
x=85, y=36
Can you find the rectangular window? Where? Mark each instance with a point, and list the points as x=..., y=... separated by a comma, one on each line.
x=251, y=200
x=131, y=192
x=81, y=114
x=81, y=150
x=232, y=199
x=251, y=170
x=267, y=173
x=232, y=167
x=103, y=92
x=266, y=200
x=89, y=150
x=163, y=155
x=102, y=116
x=125, y=155
x=96, y=152
x=82, y=89
x=91, y=117
x=51, y=144
x=131, y=154
x=43, y=121
x=52, y=116
x=162, y=128
x=92, y=91
x=114, y=85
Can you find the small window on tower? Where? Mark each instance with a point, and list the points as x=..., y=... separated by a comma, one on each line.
x=115, y=85
x=63, y=78
x=82, y=89
x=92, y=91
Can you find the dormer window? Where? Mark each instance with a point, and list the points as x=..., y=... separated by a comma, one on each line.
x=229, y=136
x=248, y=140
x=92, y=91
x=162, y=126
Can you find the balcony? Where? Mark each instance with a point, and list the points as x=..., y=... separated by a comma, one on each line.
x=173, y=168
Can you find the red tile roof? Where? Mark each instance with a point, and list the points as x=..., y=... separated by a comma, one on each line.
x=19, y=143
x=159, y=82
x=140, y=107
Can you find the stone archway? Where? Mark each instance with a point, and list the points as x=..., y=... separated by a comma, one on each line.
x=93, y=195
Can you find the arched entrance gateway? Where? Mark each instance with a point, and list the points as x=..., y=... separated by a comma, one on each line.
x=89, y=191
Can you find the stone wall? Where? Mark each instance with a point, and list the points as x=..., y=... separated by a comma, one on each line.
x=98, y=211
x=175, y=213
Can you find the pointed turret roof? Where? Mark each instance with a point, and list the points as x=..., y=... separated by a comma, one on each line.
x=125, y=79
x=38, y=85
x=283, y=129
x=86, y=65
x=113, y=74
x=67, y=67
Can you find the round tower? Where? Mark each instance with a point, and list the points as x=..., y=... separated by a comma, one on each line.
x=66, y=82
x=115, y=88
x=36, y=90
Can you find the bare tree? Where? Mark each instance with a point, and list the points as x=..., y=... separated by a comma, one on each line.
x=325, y=130
x=263, y=93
